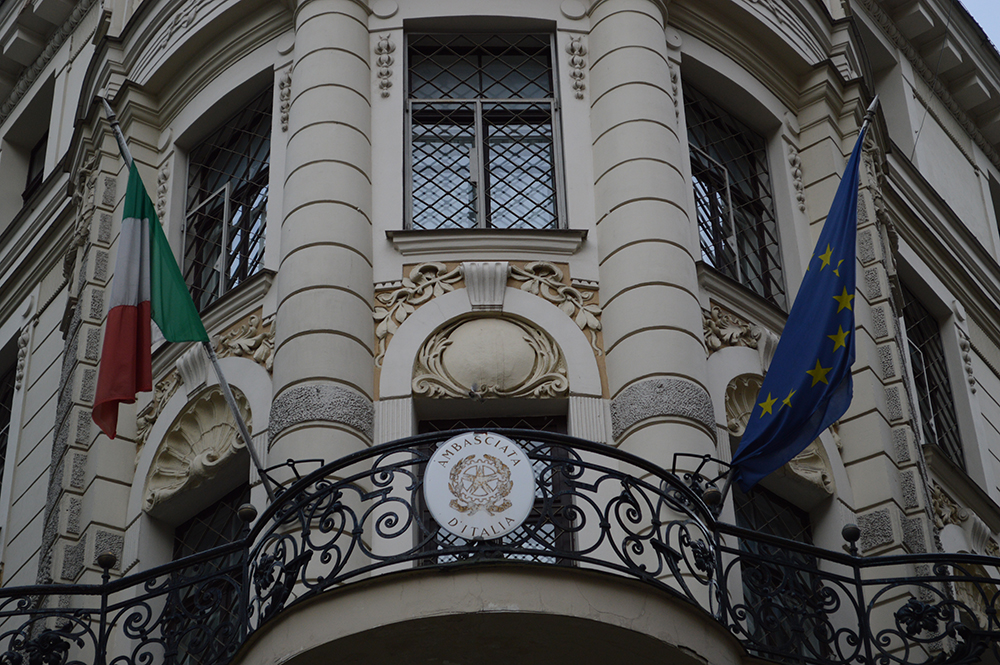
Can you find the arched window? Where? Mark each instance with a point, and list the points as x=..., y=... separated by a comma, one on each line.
x=227, y=203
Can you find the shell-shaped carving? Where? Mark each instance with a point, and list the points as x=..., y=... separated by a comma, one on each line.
x=201, y=441
x=740, y=396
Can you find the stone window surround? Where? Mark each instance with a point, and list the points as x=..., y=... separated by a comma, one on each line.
x=936, y=297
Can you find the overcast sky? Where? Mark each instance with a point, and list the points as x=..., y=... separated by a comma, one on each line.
x=987, y=14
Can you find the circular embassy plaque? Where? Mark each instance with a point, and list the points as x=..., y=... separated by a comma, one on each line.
x=479, y=485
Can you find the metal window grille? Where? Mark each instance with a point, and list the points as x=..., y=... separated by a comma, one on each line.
x=782, y=593
x=7, y=383
x=482, y=132
x=732, y=194
x=938, y=420
x=191, y=625
x=227, y=203
x=550, y=522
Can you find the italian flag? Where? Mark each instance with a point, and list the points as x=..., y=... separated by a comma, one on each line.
x=147, y=285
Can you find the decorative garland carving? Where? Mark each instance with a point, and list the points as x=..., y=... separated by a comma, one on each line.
x=796, y=163
x=966, y=348
x=426, y=281
x=383, y=62
x=199, y=443
x=723, y=329
x=529, y=363
x=946, y=511
x=22, y=357
x=545, y=279
x=675, y=80
x=84, y=191
x=162, y=392
x=578, y=64
x=992, y=548
x=285, y=97
x=926, y=72
x=253, y=339
x=161, y=191
x=31, y=72
x=182, y=20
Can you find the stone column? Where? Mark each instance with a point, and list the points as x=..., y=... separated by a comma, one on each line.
x=652, y=318
x=323, y=368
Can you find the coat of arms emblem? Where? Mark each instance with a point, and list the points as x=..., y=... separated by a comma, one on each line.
x=479, y=485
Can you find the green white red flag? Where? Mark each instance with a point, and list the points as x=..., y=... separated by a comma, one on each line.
x=147, y=285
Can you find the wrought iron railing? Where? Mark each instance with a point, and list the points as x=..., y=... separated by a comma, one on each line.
x=596, y=508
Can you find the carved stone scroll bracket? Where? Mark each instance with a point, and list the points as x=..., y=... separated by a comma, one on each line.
x=578, y=65
x=487, y=358
x=545, y=280
x=384, y=62
x=392, y=307
x=199, y=445
x=485, y=283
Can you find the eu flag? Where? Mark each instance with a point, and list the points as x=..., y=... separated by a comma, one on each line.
x=808, y=385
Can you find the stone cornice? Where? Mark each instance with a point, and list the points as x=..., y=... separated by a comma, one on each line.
x=888, y=27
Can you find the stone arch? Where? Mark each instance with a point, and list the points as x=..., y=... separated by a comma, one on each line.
x=148, y=538
x=586, y=405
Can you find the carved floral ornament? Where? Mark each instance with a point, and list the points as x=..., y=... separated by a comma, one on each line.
x=430, y=280
x=946, y=511
x=487, y=358
x=723, y=329
x=253, y=339
x=201, y=442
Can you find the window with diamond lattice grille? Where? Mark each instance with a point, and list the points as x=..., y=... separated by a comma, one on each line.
x=784, y=599
x=482, y=132
x=199, y=617
x=938, y=419
x=732, y=197
x=227, y=203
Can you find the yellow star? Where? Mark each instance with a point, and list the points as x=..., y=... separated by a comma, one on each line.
x=844, y=300
x=765, y=406
x=836, y=271
x=788, y=400
x=825, y=257
x=818, y=373
x=840, y=339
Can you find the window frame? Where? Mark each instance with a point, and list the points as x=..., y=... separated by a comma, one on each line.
x=558, y=167
x=233, y=184
x=783, y=295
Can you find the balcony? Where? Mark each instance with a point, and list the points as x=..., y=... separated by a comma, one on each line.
x=597, y=511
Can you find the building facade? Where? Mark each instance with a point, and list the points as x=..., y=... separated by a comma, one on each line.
x=587, y=219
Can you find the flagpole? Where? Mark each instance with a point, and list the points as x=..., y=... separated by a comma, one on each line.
x=223, y=383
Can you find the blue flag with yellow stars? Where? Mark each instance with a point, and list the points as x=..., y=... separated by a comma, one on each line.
x=808, y=385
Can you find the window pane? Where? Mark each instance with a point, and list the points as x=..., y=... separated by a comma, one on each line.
x=227, y=202
x=520, y=166
x=444, y=196
x=732, y=188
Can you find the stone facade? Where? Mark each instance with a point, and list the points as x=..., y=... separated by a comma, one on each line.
x=351, y=329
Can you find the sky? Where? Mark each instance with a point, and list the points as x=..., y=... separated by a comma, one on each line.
x=987, y=14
